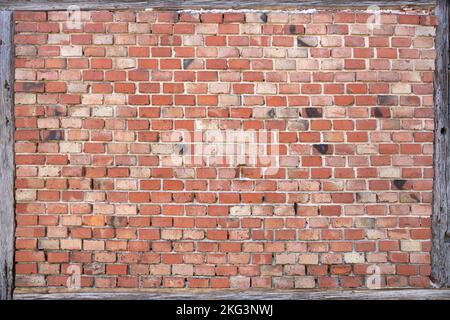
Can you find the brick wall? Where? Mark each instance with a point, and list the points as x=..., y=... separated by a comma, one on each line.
x=104, y=185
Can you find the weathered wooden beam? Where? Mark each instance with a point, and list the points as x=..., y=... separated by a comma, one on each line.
x=202, y=4
x=6, y=156
x=192, y=294
x=441, y=192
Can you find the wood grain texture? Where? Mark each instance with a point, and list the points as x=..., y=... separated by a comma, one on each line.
x=199, y=4
x=6, y=157
x=441, y=192
x=191, y=294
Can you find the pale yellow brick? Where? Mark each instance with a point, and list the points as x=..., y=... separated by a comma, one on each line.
x=334, y=64
x=70, y=244
x=366, y=223
x=71, y=51
x=225, y=52
x=70, y=147
x=184, y=173
x=25, y=195
x=125, y=184
x=367, y=149
x=425, y=31
x=264, y=113
x=207, y=124
x=49, y=171
x=21, y=74
x=250, y=28
x=48, y=244
x=277, y=17
x=360, y=29
x=410, y=245
x=71, y=123
x=116, y=51
x=102, y=111
x=285, y=258
x=125, y=209
x=25, y=51
x=251, y=52
x=307, y=41
x=297, y=52
x=240, y=211
x=92, y=99
x=139, y=172
x=307, y=64
x=116, y=99
x=206, y=28
x=424, y=65
x=375, y=234
x=262, y=210
x=308, y=258
x=266, y=88
x=56, y=232
x=94, y=245
x=25, y=98
x=390, y=172
x=79, y=111
x=77, y=87
x=219, y=87
x=366, y=197
x=331, y=41
x=284, y=211
x=103, y=208
x=174, y=234
x=162, y=148
x=229, y=100
x=102, y=39
x=58, y=38
x=30, y=280
x=255, y=17
x=275, y=52
x=138, y=28
x=401, y=88
x=160, y=269
x=124, y=63
x=285, y=113
x=285, y=64
x=172, y=161
x=192, y=40
x=353, y=257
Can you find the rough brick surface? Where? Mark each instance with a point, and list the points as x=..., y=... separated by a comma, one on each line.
x=98, y=187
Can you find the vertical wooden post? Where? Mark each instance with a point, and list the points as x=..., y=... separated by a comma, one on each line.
x=441, y=192
x=7, y=221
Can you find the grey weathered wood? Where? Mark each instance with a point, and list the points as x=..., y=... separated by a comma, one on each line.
x=6, y=157
x=199, y=4
x=190, y=294
x=439, y=253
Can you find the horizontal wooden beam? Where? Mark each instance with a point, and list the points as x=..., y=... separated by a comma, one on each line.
x=183, y=294
x=203, y=4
